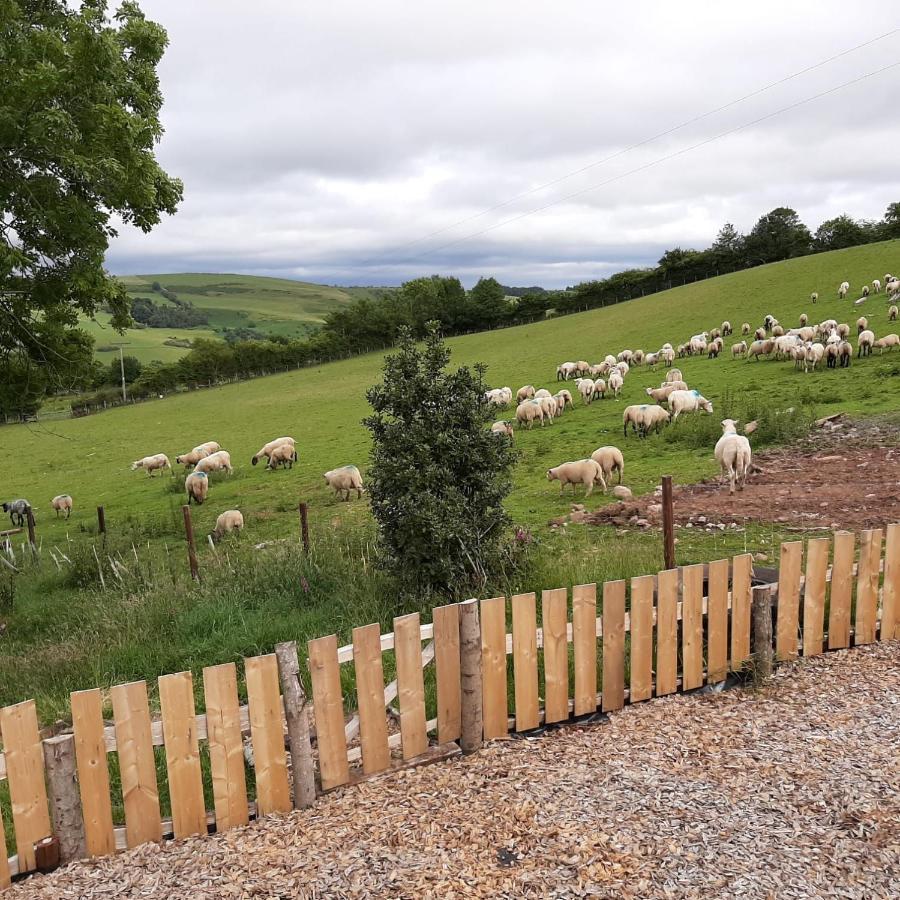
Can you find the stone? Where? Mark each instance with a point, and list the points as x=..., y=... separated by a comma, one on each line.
x=620, y=492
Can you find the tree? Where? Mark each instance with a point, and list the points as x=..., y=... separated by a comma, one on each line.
x=728, y=247
x=777, y=235
x=891, y=221
x=488, y=302
x=840, y=232
x=438, y=476
x=131, y=366
x=79, y=118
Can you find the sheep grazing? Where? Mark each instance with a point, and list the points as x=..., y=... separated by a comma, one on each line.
x=526, y=392
x=674, y=375
x=832, y=355
x=687, y=401
x=345, y=480
x=609, y=361
x=699, y=342
x=565, y=371
x=652, y=419
x=610, y=459
x=152, y=463
x=876, y=286
x=582, y=366
x=220, y=461
x=804, y=320
x=843, y=330
x=548, y=404
x=864, y=343
x=714, y=349
x=892, y=313
x=615, y=383
x=738, y=349
x=716, y=332
x=892, y=287
x=582, y=471
x=283, y=455
x=599, y=389
x=502, y=428
x=633, y=416
x=226, y=522
x=543, y=392
x=18, y=511
x=651, y=359
x=625, y=356
x=637, y=358
x=814, y=296
x=726, y=328
x=733, y=455
x=865, y=290
x=661, y=394
x=564, y=399
x=62, y=503
x=760, y=334
x=586, y=389
x=845, y=349
x=777, y=331
x=888, y=277
x=888, y=342
x=815, y=353
x=266, y=449
x=192, y=458
x=667, y=355
x=760, y=348
x=862, y=323
x=745, y=328
x=529, y=410
x=499, y=396
x=197, y=487
x=843, y=290
x=598, y=369
x=622, y=368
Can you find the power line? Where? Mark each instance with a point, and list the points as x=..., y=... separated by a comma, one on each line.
x=658, y=160
x=645, y=141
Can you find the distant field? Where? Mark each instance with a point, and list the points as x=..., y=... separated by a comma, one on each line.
x=146, y=344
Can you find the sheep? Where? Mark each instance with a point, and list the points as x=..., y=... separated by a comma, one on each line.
x=888, y=342
x=282, y=455
x=543, y=392
x=716, y=332
x=892, y=287
x=845, y=349
x=622, y=368
x=807, y=333
x=609, y=361
x=733, y=455
x=843, y=290
x=785, y=344
x=769, y=322
x=698, y=343
x=637, y=358
x=586, y=389
x=814, y=296
x=624, y=356
x=814, y=355
x=599, y=389
x=18, y=511
x=192, y=458
x=499, y=396
x=266, y=449
x=565, y=371
x=760, y=334
x=615, y=383
x=862, y=323
x=876, y=286
x=344, y=480
x=220, y=461
x=892, y=313
x=526, y=392
x=832, y=355
x=582, y=366
x=633, y=416
x=824, y=328
x=760, y=348
x=651, y=359
x=777, y=330
x=582, y=471
x=687, y=401
x=548, y=404
x=745, y=329
x=674, y=375
x=502, y=428
x=197, y=487
x=864, y=343
x=843, y=330
x=667, y=355
x=62, y=503
x=209, y=446
x=888, y=277
x=598, y=370
x=804, y=319
x=726, y=328
x=865, y=290
x=528, y=411
x=610, y=459
x=738, y=349
x=661, y=395
x=226, y=522
x=563, y=399
x=152, y=463
x=653, y=418
x=682, y=351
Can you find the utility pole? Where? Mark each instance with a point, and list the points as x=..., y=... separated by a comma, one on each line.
x=122, y=370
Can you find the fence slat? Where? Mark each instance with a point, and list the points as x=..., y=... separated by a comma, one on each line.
x=447, y=672
x=814, y=595
x=667, y=632
x=554, y=605
x=867, y=586
x=25, y=775
x=789, y=571
x=613, y=645
x=692, y=626
x=410, y=684
x=641, y=687
x=741, y=584
x=4, y=861
x=226, y=748
x=493, y=663
x=890, y=612
x=179, y=723
x=367, y=664
x=137, y=765
x=93, y=772
x=328, y=705
x=273, y=792
x=584, y=640
x=525, y=669
x=841, y=590
x=717, y=621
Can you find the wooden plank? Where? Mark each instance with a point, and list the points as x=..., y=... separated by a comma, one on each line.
x=641, y=686
x=226, y=747
x=667, y=632
x=554, y=605
x=788, y=627
x=93, y=772
x=613, y=645
x=4, y=861
x=814, y=595
x=692, y=627
x=741, y=582
x=841, y=590
x=717, y=621
x=137, y=765
x=373, y=736
x=273, y=792
x=410, y=685
x=328, y=703
x=867, y=586
x=447, y=672
x=179, y=722
x=890, y=612
x=584, y=640
x=493, y=664
x=525, y=668
x=25, y=775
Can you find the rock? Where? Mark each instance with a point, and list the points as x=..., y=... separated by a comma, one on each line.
x=578, y=517
x=654, y=510
x=643, y=523
x=760, y=557
x=559, y=520
x=820, y=423
x=577, y=507
x=620, y=492
x=701, y=520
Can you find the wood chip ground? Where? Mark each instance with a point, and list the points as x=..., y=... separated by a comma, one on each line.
x=790, y=792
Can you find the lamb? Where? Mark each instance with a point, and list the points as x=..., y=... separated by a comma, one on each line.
x=526, y=392
x=499, y=396
x=226, y=522
x=615, y=383
x=733, y=455
x=197, y=487
x=745, y=328
x=345, y=480
x=62, y=503
x=845, y=349
x=152, y=463
x=674, y=375
x=843, y=289
x=864, y=343
x=502, y=428
x=220, y=461
x=586, y=389
x=582, y=471
x=738, y=349
x=814, y=296
x=888, y=342
x=266, y=449
x=565, y=371
x=876, y=286
x=192, y=458
x=892, y=313
x=610, y=459
x=282, y=455
x=18, y=511
x=687, y=401
x=804, y=319
x=862, y=323
x=726, y=328
x=528, y=411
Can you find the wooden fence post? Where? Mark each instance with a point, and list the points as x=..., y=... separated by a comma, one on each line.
x=761, y=617
x=101, y=520
x=192, y=547
x=29, y=516
x=304, y=526
x=296, y=706
x=65, y=799
x=668, y=517
x=472, y=710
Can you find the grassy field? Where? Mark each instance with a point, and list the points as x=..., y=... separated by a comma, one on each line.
x=147, y=344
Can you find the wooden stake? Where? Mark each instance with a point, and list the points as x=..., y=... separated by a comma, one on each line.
x=304, y=526
x=470, y=677
x=64, y=796
x=296, y=712
x=29, y=515
x=668, y=513
x=761, y=617
x=101, y=520
x=192, y=547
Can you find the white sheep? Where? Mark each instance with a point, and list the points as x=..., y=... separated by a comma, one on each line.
x=739, y=349
x=610, y=361
x=266, y=449
x=220, y=461
x=598, y=369
x=843, y=289
x=565, y=371
x=726, y=328
x=865, y=290
x=653, y=418
x=586, y=389
x=698, y=343
x=733, y=455
x=665, y=390
x=197, y=487
x=862, y=323
x=888, y=342
x=599, y=389
x=745, y=329
x=674, y=375
x=192, y=458
x=687, y=401
x=760, y=348
x=845, y=349
x=226, y=522
x=502, y=428
x=651, y=359
x=892, y=287
x=815, y=353
x=582, y=366
x=615, y=383
x=892, y=313
x=610, y=459
x=345, y=480
x=622, y=368
x=543, y=392
x=582, y=471
x=526, y=392
x=814, y=296
x=548, y=404
x=864, y=343
x=151, y=463
x=876, y=286
x=804, y=319
x=62, y=503
x=564, y=399
x=283, y=455
x=528, y=411
x=637, y=358
x=667, y=355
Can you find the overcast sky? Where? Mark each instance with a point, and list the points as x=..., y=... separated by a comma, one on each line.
x=319, y=140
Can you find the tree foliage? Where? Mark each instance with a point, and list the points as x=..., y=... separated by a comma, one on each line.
x=438, y=476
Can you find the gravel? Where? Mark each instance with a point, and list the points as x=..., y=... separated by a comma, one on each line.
x=793, y=791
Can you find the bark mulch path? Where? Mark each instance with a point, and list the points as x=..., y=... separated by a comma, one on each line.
x=789, y=792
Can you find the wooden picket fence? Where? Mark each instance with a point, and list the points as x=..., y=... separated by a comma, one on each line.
x=654, y=636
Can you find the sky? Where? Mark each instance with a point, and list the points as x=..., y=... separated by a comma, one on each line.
x=369, y=143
